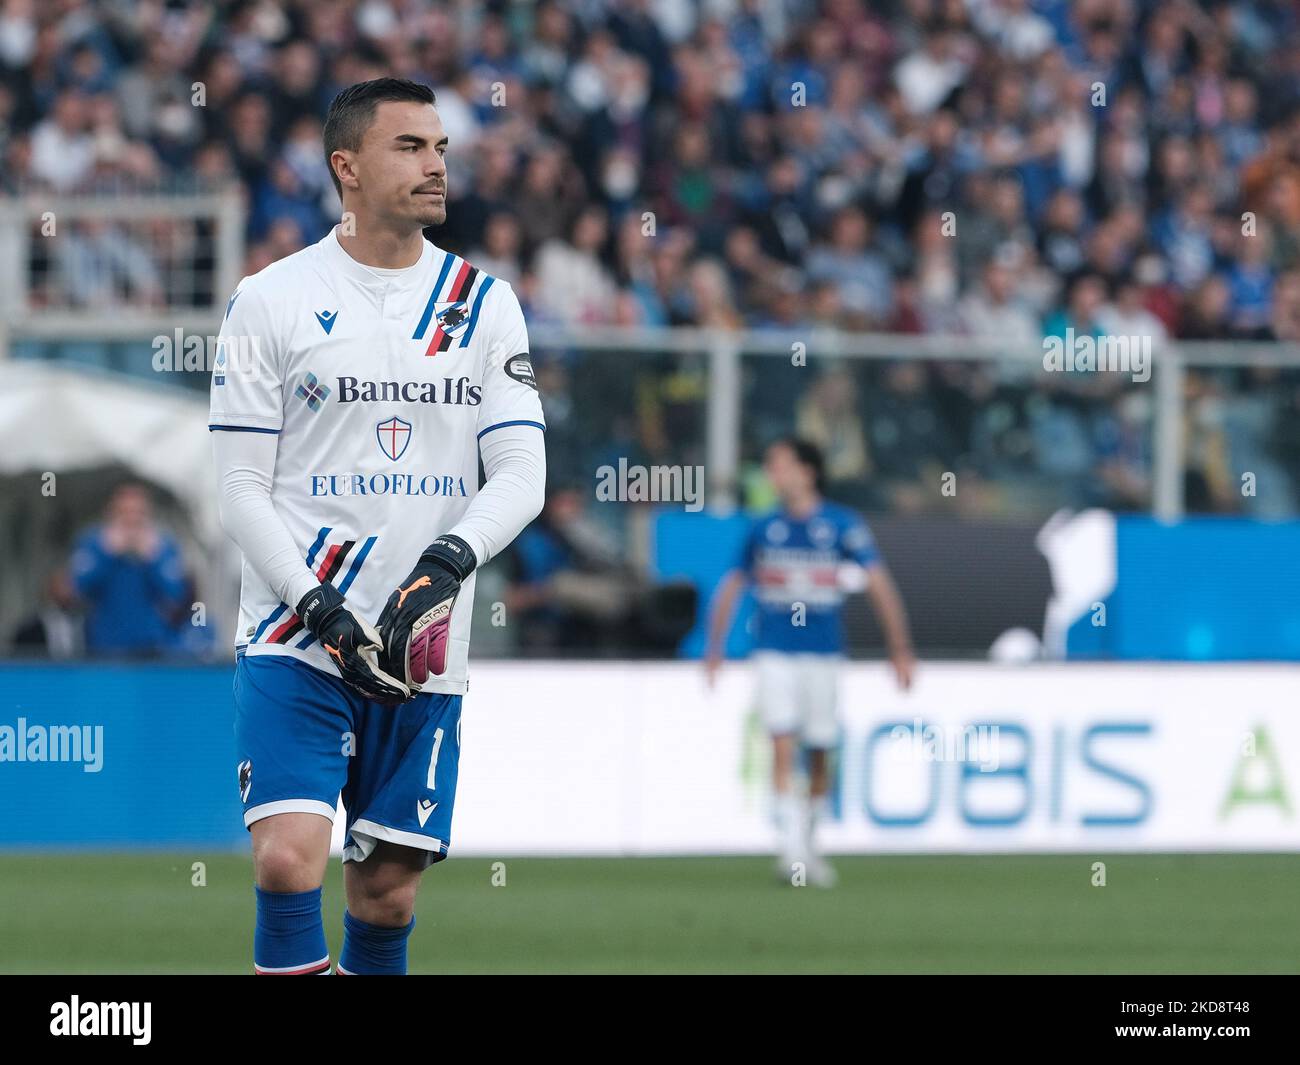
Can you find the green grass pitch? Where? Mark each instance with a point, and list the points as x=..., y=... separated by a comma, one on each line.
x=139, y=913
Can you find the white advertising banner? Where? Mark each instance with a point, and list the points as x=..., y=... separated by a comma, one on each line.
x=629, y=758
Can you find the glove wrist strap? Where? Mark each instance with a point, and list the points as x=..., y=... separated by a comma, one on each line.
x=314, y=607
x=453, y=554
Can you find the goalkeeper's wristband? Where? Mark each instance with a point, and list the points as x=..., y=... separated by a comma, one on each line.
x=318, y=608
x=451, y=553
x=352, y=643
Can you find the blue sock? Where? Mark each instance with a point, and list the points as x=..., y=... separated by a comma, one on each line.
x=369, y=950
x=290, y=936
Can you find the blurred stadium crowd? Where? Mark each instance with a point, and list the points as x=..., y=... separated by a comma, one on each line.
x=798, y=156
x=993, y=168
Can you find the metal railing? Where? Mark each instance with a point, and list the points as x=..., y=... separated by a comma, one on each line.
x=31, y=311
x=725, y=350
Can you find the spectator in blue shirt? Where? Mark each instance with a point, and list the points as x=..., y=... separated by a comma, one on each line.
x=1250, y=286
x=129, y=575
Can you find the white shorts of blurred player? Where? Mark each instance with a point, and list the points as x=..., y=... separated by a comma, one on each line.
x=798, y=694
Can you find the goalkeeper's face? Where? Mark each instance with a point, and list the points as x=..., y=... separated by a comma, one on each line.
x=400, y=169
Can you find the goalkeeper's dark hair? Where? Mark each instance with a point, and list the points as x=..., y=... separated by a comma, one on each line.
x=353, y=110
x=808, y=455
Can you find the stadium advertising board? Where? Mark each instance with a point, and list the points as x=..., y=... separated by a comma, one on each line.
x=644, y=759
x=623, y=758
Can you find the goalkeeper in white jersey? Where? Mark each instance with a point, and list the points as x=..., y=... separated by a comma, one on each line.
x=356, y=385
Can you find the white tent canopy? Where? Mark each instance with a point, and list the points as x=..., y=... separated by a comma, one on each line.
x=59, y=418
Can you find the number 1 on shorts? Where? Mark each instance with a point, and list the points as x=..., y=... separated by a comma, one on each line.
x=430, y=781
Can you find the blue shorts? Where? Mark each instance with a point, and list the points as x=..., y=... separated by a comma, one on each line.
x=302, y=736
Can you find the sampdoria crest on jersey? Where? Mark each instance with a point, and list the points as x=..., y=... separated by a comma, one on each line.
x=393, y=434
x=453, y=319
x=245, y=779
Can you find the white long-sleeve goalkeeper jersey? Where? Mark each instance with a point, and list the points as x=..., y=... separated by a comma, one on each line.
x=378, y=385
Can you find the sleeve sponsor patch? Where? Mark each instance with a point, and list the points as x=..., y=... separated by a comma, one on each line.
x=520, y=367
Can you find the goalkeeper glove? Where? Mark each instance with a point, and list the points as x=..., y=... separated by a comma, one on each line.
x=352, y=643
x=415, y=624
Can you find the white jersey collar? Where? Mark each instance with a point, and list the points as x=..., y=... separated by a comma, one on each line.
x=379, y=277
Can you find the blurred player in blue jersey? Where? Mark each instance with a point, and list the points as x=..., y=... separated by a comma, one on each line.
x=801, y=561
x=356, y=386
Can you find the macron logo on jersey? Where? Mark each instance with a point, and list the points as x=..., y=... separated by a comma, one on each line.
x=327, y=320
